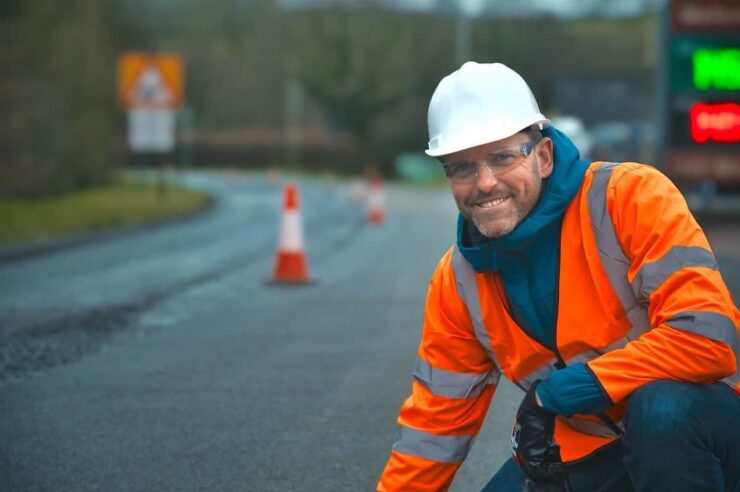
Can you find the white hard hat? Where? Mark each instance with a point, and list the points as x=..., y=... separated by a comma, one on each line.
x=478, y=104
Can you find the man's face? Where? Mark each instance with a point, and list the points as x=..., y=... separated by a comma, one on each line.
x=496, y=202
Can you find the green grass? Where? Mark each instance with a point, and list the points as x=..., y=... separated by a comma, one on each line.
x=124, y=203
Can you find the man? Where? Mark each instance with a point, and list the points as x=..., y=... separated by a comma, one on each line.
x=591, y=287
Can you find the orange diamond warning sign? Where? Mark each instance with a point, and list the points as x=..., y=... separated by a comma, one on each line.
x=150, y=81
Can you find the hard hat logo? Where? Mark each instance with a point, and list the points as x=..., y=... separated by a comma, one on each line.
x=479, y=104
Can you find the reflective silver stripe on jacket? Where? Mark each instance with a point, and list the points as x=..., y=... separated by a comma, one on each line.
x=653, y=274
x=594, y=427
x=451, y=384
x=584, y=357
x=539, y=373
x=588, y=355
x=613, y=259
x=467, y=289
x=634, y=298
x=447, y=449
x=715, y=326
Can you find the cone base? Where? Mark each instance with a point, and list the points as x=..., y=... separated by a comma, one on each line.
x=290, y=268
x=287, y=283
x=376, y=217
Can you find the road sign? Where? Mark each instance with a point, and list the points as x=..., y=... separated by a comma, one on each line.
x=151, y=130
x=150, y=80
x=151, y=89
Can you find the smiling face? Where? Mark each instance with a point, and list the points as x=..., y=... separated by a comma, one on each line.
x=497, y=202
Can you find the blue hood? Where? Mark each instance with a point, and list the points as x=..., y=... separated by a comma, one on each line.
x=557, y=192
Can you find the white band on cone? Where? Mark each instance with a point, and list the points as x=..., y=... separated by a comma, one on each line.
x=291, y=232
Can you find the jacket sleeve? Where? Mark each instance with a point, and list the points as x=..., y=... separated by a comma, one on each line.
x=453, y=384
x=693, y=320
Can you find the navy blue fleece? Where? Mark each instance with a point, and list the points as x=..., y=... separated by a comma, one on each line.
x=527, y=260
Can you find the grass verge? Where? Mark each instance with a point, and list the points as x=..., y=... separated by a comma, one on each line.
x=124, y=203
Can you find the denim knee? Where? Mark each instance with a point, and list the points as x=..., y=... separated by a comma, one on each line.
x=662, y=412
x=682, y=436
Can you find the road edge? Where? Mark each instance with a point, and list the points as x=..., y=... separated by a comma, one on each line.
x=30, y=249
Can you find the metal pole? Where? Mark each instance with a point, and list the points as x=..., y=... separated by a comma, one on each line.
x=661, y=83
x=463, y=38
x=293, y=115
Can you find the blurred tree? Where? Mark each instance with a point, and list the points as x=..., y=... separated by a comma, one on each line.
x=373, y=70
x=235, y=63
x=543, y=48
x=363, y=64
x=364, y=70
x=61, y=101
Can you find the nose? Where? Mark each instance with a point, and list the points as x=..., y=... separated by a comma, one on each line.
x=486, y=180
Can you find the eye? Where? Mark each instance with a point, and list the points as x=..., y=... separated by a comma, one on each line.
x=503, y=158
x=462, y=168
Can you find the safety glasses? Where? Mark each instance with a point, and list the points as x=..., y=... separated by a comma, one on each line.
x=498, y=163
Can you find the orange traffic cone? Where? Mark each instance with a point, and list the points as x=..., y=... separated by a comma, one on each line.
x=290, y=260
x=375, y=201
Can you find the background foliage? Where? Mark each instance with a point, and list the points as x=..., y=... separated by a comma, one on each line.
x=362, y=76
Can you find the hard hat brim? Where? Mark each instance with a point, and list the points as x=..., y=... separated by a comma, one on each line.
x=486, y=136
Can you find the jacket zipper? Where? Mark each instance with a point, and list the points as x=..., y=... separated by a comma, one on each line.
x=560, y=364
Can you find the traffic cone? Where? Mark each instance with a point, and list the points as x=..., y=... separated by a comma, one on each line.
x=291, y=266
x=375, y=202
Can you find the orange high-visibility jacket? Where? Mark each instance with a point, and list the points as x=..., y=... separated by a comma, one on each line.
x=640, y=299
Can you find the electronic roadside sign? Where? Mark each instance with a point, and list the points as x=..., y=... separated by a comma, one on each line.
x=703, y=126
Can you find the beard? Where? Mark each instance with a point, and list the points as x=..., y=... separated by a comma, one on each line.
x=500, y=227
x=521, y=205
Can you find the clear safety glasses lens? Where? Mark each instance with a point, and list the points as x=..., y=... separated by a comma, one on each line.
x=498, y=163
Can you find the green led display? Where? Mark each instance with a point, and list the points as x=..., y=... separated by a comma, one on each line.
x=716, y=68
x=705, y=62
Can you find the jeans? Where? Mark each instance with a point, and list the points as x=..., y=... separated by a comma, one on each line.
x=679, y=437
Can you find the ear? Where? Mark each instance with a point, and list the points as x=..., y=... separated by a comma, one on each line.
x=545, y=159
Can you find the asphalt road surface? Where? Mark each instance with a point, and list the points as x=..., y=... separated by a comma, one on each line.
x=160, y=360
